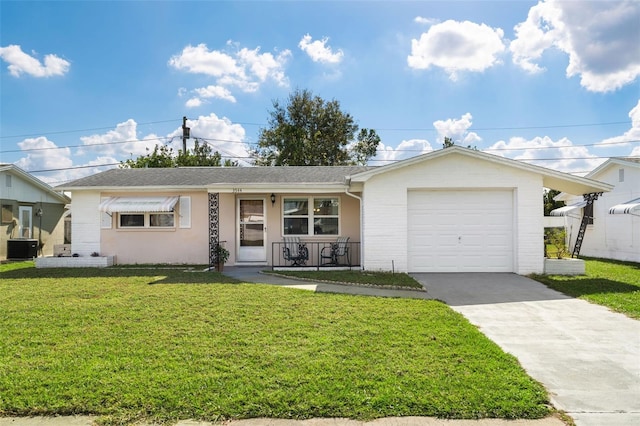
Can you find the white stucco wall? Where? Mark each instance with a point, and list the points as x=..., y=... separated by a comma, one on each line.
x=611, y=236
x=385, y=207
x=85, y=223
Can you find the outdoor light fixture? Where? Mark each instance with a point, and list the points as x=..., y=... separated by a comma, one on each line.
x=273, y=199
x=39, y=212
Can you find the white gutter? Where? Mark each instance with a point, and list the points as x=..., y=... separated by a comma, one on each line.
x=346, y=191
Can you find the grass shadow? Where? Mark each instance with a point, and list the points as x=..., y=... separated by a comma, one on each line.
x=156, y=275
x=634, y=265
x=195, y=278
x=577, y=286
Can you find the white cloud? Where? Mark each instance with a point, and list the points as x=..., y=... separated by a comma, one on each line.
x=318, y=50
x=43, y=154
x=193, y=103
x=630, y=136
x=425, y=21
x=20, y=62
x=122, y=141
x=635, y=152
x=265, y=66
x=209, y=92
x=404, y=150
x=245, y=69
x=601, y=39
x=457, y=129
x=215, y=92
x=457, y=46
x=559, y=155
x=200, y=60
x=220, y=133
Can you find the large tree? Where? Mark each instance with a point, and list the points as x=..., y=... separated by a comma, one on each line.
x=163, y=156
x=309, y=131
x=549, y=202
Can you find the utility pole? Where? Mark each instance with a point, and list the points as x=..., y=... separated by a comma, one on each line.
x=185, y=135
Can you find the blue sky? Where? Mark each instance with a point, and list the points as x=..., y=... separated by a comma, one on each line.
x=84, y=84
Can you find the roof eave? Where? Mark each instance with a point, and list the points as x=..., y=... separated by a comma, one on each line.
x=551, y=178
x=111, y=188
x=268, y=187
x=37, y=182
x=609, y=162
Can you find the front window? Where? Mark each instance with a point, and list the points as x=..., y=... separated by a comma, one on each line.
x=296, y=216
x=324, y=216
x=161, y=220
x=132, y=220
x=146, y=220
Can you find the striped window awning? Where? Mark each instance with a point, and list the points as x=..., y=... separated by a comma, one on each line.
x=630, y=207
x=138, y=204
x=564, y=211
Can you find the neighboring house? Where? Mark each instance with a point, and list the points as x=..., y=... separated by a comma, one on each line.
x=610, y=233
x=32, y=213
x=453, y=210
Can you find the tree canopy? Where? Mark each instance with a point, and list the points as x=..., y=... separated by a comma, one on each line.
x=549, y=202
x=448, y=142
x=163, y=156
x=309, y=131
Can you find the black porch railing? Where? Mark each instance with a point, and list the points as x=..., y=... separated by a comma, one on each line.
x=315, y=254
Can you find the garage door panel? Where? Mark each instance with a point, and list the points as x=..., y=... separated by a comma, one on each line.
x=460, y=231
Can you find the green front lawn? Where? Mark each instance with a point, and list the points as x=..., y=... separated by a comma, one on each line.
x=162, y=345
x=607, y=282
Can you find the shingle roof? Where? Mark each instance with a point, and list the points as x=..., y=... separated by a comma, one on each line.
x=631, y=159
x=204, y=176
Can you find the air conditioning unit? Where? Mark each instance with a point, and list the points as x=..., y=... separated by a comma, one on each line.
x=22, y=249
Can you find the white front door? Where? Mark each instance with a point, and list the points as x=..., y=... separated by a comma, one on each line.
x=251, y=230
x=25, y=224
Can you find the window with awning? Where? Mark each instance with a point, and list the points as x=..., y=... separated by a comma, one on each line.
x=566, y=210
x=630, y=207
x=138, y=204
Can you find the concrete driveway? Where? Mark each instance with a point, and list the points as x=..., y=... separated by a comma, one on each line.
x=586, y=356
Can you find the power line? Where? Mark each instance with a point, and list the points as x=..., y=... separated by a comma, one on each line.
x=472, y=129
x=88, y=145
x=170, y=139
x=524, y=160
x=417, y=129
x=73, y=168
x=84, y=130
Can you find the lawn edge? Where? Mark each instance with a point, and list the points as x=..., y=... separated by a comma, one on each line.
x=344, y=283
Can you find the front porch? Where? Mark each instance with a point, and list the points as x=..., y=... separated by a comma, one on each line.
x=315, y=255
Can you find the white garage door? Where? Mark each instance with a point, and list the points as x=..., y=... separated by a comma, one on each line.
x=460, y=231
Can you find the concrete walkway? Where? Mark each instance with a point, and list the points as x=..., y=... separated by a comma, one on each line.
x=586, y=356
x=254, y=275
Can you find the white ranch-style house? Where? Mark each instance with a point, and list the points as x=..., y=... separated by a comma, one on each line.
x=452, y=210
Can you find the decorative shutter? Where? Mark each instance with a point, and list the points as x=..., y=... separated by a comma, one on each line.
x=106, y=221
x=185, y=212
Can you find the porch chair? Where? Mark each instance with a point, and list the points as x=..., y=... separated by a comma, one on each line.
x=294, y=251
x=329, y=255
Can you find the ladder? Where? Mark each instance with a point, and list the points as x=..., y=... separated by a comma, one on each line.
x=589, y=198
